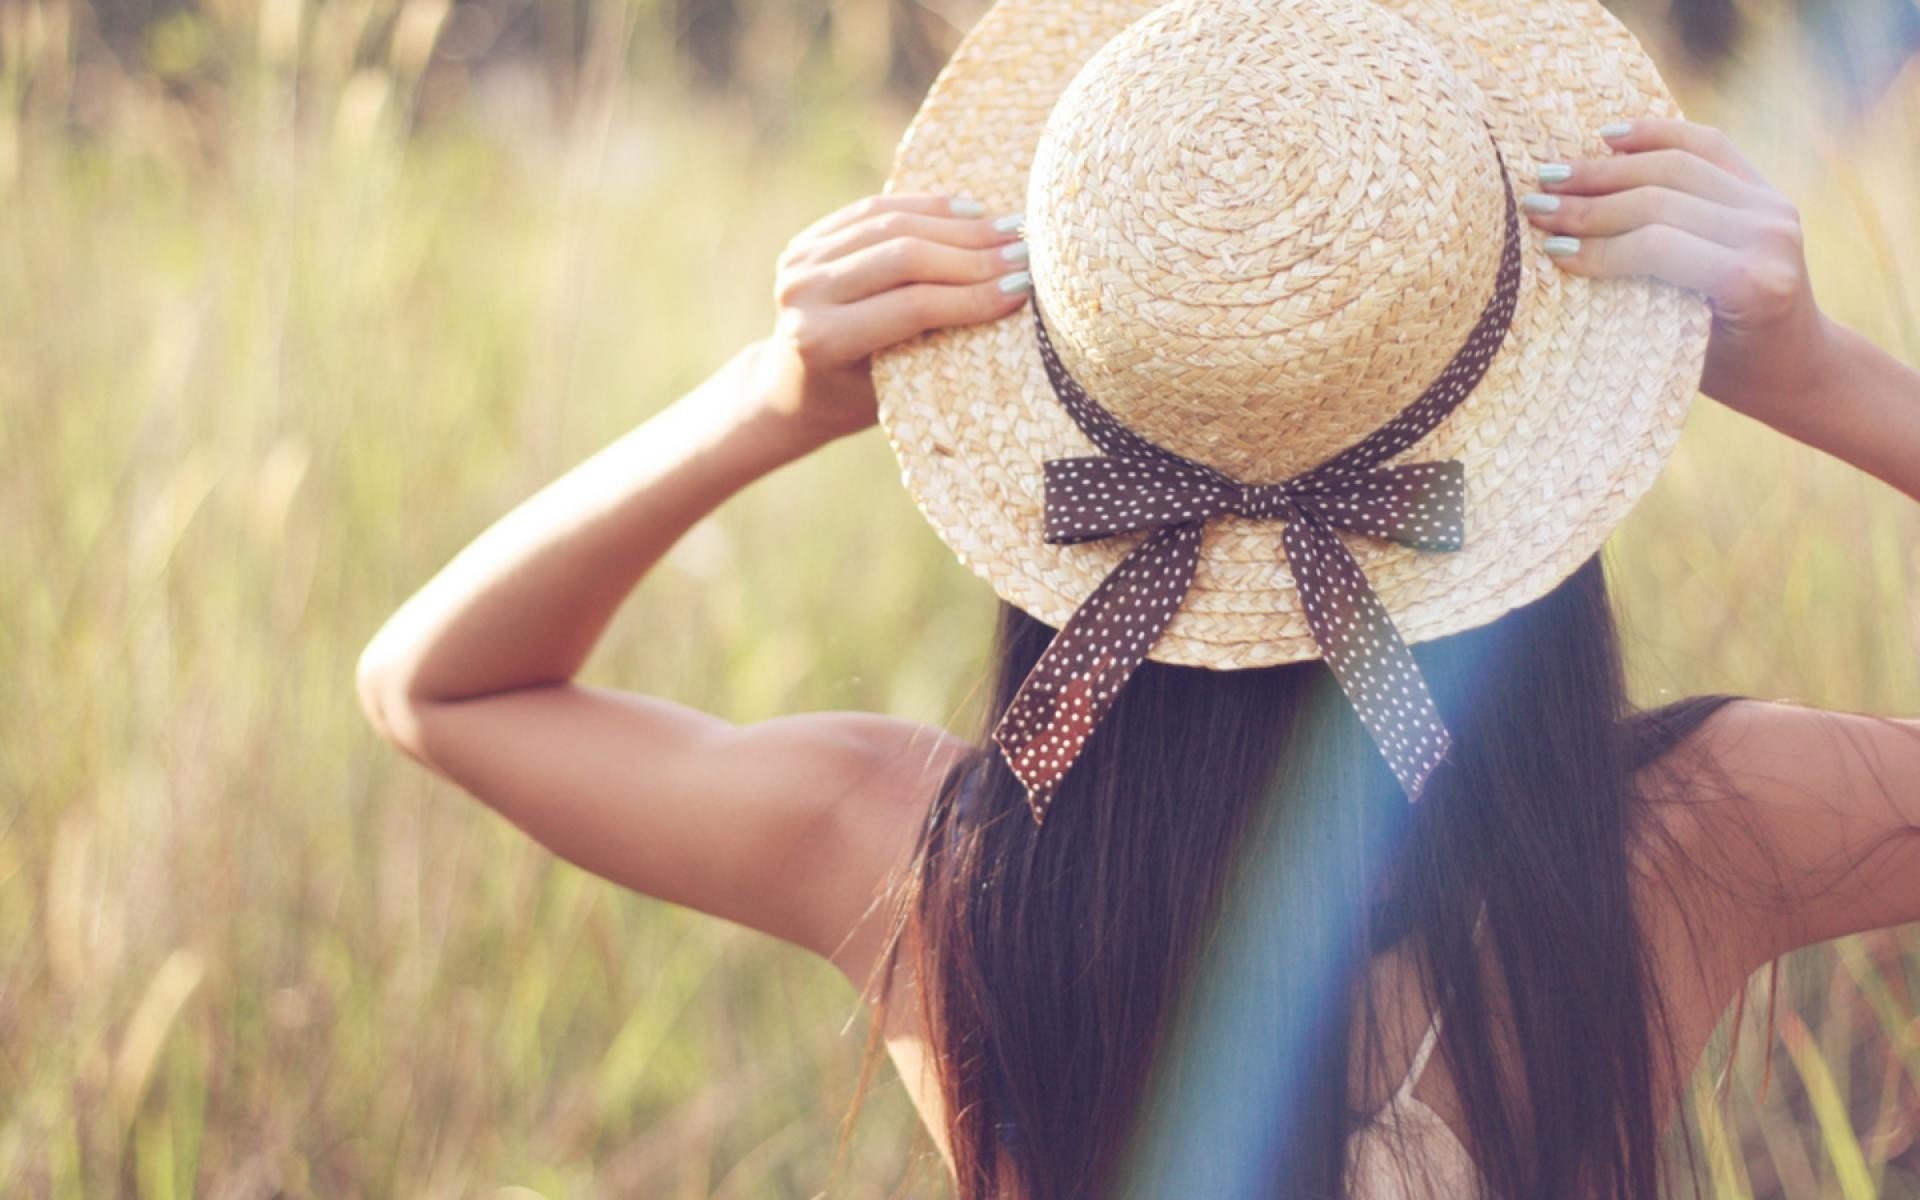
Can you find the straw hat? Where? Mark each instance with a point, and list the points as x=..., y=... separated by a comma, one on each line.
x=1257, y=230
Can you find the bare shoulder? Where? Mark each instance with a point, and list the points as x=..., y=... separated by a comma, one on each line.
x=876, y=828
x=1798, y=823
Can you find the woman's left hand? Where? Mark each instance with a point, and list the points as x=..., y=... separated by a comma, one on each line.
x=1677, y=201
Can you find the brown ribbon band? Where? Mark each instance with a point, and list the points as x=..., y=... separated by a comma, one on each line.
x=1137, y=485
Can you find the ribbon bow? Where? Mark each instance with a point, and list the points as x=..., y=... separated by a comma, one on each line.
x=1137, y=485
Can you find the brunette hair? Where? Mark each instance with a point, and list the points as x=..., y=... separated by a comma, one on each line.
x=1238, y=827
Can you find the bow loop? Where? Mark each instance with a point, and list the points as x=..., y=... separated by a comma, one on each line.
x=1091, y=498
x=1422, y=505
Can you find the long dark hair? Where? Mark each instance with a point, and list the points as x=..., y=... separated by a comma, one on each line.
x=1060, y=964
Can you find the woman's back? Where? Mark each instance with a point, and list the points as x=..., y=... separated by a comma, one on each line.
x=1416, y=1144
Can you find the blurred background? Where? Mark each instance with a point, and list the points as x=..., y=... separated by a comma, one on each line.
x=297, y=296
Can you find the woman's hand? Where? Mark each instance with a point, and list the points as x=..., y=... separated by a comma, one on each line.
x=1677, y=201
x=870, y=274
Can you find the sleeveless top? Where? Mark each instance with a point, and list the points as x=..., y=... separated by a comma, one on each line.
x=1405, y=1128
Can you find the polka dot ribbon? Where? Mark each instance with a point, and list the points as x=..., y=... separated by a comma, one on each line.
x=1136, y=485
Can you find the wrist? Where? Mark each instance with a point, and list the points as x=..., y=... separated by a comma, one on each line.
x=770, y=393
x=759, y=418
x=1811, y=402
x=1833, y=408
x=1862, y=406
x=1832, y=355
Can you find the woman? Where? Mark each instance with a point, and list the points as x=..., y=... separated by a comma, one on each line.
x=1584, y=888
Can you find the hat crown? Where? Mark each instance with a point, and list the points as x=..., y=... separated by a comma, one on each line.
x=1259, y=230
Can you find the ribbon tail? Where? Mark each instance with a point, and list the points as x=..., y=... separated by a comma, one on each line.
x=1075, y=681
x=1366, y=653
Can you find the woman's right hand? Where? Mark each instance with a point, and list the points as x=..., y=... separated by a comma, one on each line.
x=872, y=273
x=1676, y=200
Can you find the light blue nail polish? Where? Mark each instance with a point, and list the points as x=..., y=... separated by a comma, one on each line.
x=1614, y=129
x=1561, y=245
x=964, y=207
x=1019, y=281
x=1014, y=252
x=1540, y=202
x=1010, y=222
x=1555, y=172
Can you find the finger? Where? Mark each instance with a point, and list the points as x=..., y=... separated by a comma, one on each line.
x=966, y=232
x=1619, y=212
x=1673, y=133
x=930, y=203
x=1662, y=251
x=876, y=322
x=1680, y=170
x=907, y=260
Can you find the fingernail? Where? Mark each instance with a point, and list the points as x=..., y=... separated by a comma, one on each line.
x=1019, y=281
x=1540, y=202
x=1010, y=222
x=1555, y=172
x=1614, y=129
x=964, y=207
x=1014, y=252
x=1560, y=245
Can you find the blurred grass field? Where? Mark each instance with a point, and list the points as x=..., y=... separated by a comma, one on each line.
x=274, y=350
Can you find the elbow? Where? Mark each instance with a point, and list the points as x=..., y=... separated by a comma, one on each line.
x=386, y=697
x=372, y=683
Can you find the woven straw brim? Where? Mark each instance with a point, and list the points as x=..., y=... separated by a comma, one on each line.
x=1568, y=429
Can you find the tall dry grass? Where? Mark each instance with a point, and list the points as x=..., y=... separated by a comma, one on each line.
x=274, y=349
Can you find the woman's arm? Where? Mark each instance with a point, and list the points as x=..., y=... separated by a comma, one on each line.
x=1815, y=814
x=524, y=604
x=775, y=824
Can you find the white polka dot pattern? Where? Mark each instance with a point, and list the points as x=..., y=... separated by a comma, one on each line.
x=1138, y=485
